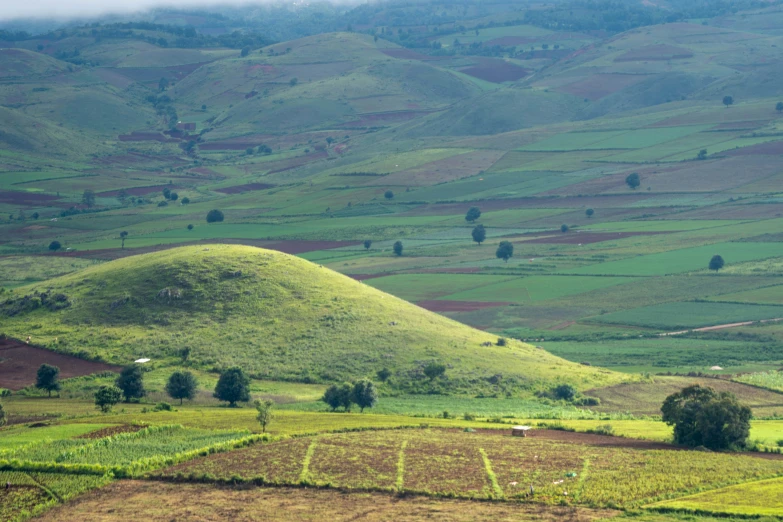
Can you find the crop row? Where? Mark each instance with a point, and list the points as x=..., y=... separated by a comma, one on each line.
x=480, y=465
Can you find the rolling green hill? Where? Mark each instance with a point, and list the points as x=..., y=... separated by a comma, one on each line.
x=277, y=316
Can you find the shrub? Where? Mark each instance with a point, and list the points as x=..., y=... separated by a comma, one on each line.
x=214, y=216
x=107, y=396
x=468, y=416
x=162, y=406
x=502, y=341
x=565, y=392
x=434, y=370
x=54, y=246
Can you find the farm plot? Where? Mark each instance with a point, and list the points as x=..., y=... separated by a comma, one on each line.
x=767, y=295
x=536, y=288
x=417, y=287
x=568, y=468
x=27, y=493
x=690, y=315
x=754, y=498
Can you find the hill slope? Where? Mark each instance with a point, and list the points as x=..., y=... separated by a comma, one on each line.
x=278, y=316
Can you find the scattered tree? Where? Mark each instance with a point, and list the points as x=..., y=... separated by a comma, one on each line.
x=181, y=385
x=264, y=416
x=48, y=378
x=131, y=382
x=249, y=151
x=54, y=246
x=293, y=82
x=364, y=394
x=36, y=215
x=398, y=248
x=383, y=374
x=88, y=198
x=123, y=236
x=388, y=194
x=589, y=212
x=434, y=370
x=716, y=263
x=367, y=244
x=214, y=216
x=203, y=107
x=565, y=392
x=173, y=196
x=233, y=386
x=505, y=251
x=728, y=100
x=167, y=193
x=473, y=214
x=563, y=228
x=185, y=200
x=107, y=396
x=703, y=417
x=338, y=396
x=190, y=226
x=779, y=107
x=702, y=155
x=633, y=180
x=479, y=234
x=163, y=84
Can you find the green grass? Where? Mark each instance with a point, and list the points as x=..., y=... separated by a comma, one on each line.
x=535, y=288
x=752, y=498
x=416, y=287
x=20, y=436
x=691, y=315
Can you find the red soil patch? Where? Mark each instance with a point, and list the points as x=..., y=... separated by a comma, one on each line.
x=28, y=199
x=496, y=70
x=112, y=430
x=458, y=306
x=655, y=52
x=20, y=362
x=600, y=85
x=773, y=148
x=586, y=238
x=146, y=136
x=237, y=189
x=137, y=191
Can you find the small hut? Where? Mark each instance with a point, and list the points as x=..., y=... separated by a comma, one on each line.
x=520, y=431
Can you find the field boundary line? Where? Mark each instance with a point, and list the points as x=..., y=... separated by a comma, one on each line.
x=582, y=479
x=401, y=467
x=305, y=473
x=493, y=480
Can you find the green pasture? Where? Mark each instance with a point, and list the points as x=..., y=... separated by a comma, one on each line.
x=417, y=287
x=690, y=315
x=535, y=288
x=20, y=436
x=767, y=295
x=764, y=497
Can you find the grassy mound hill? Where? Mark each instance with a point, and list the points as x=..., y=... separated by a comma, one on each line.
x=277, y=316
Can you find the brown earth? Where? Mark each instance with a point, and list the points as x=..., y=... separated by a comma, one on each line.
x=774, y=148
x=458, y=306
x=237, y=189
x=27, y=199
x=19, y=363
x=163, y=502
x=111, y=430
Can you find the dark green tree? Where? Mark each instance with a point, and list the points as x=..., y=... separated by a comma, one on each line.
x=589, y=212
x=779, y=107
x=233, y=386
x=166, y=192
x=505, y=251
x=633, y=180
x=123, y=236
x=173, y=196
x=716, y=263
x=398, y=248
x=433, y=370
x=563, y=228
x=54, y=246
x=367, y=244
x=728, y=100
x=88, y=198
x=181, y=385
x=338, y=396
x=190, y=226
x=293, y=82
x=703, y=417
x=48, y=378
x=107, y=396
x=131, y=382
x=479, y=234
x=565, y=392
x=383, y=374
x=163, y=84
x=388, y=194
x=264, y=416
x=244, y=52
x=473, y=214
x=214, y=216
x=364, y=394
x=702, y=155
x=185, y=200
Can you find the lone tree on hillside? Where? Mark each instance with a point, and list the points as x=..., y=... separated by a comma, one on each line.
x=214, y=216
x=779, y=107
x=388, y=194
x=703, y=417
x=131, y=382
x=702, y=155
x=244, y=52
x=233, y=386
x=364, y=394
x=563, y=228
x=728, y=100
x=107, y=396
x=181, y=385
x=54, y=246
x=264, y=416
x=716, y=263
x=48, y=378
x=473, y=214
x=398, y=248
x=505, y=251
x=479, y=234
x=633, y=180
x=88, y=198
x=338, y=396
x=589, y=212
x=123, y=236
x=433, y=370
x=367, y=244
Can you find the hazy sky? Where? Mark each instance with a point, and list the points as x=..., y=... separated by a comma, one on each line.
x=10, y=9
